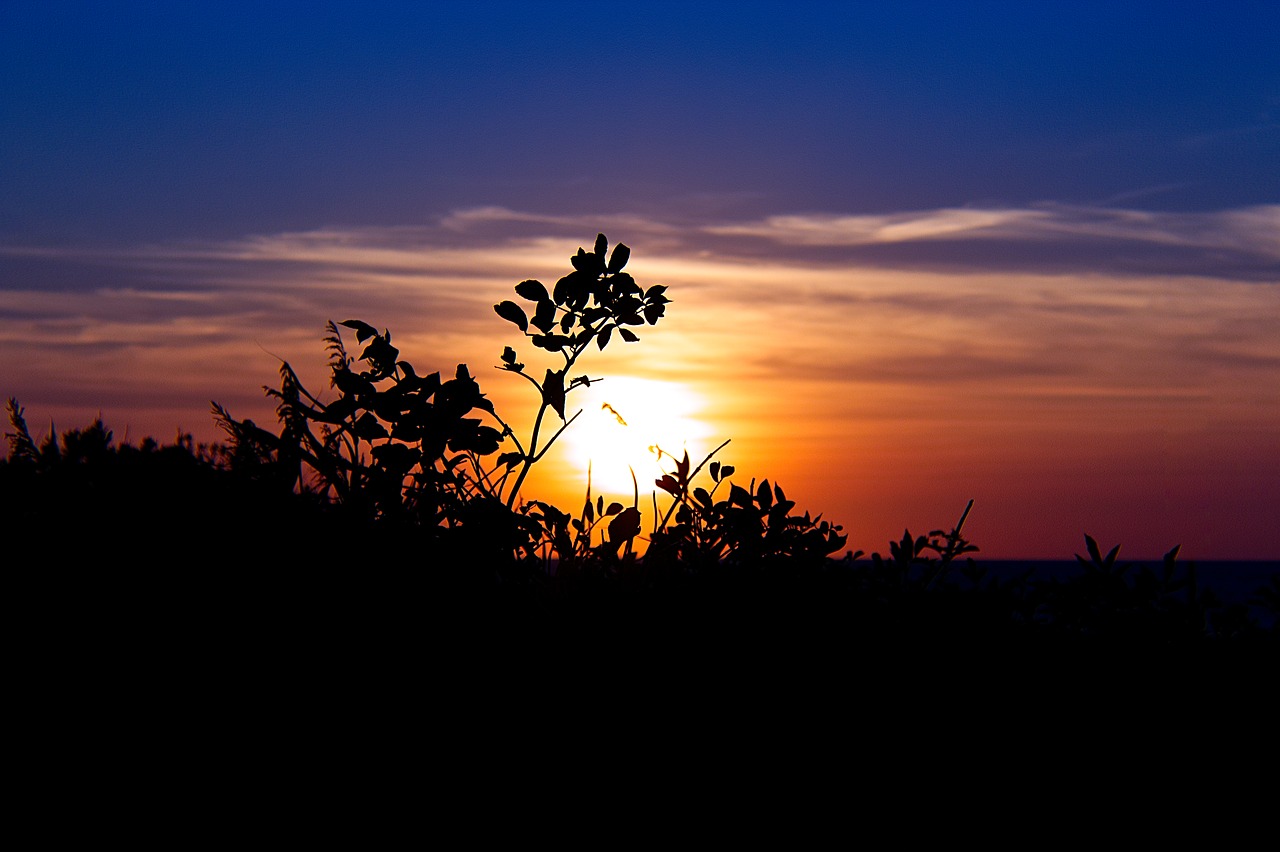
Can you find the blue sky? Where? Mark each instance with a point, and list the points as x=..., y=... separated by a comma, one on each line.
x=130, y=120
x=1027, y=253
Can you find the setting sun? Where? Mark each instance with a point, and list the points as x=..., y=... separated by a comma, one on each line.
x=625, y=421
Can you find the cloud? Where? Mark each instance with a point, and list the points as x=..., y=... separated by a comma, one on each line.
x=932, y=299
x=1242, y=243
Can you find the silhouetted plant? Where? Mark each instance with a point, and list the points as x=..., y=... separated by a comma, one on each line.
x=398, y=447
x=745, y=527
x=909, y=560
x=425, y=462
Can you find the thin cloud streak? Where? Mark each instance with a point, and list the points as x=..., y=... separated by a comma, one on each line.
x=1254, y=230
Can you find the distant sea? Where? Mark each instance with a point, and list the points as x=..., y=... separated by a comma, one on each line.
x=1232, y=581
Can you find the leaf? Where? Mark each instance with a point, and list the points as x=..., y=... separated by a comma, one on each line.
x=726, y=471
x=510, y=460
x=738, y=496
x=544, y=316
x=511, y=312
x=566, y=323
x=368, y=427
x=715, y=471
x=550, y=342
x=602, y=245
x=1111, y=557
x=534, y=291
x=349, y=384
x=624, y=285
x=628, y=335
x=764, y=494
x=363, y=330
x=553, y=391
x=621, y=254
x=588, y=262
x=625, y=525
x=602, y=338
x=668, y=484
x=614, y=508
x=1094, y=553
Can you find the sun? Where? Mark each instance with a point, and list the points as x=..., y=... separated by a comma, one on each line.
x=624, y=422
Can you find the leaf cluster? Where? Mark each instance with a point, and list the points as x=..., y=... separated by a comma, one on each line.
x=753, y=526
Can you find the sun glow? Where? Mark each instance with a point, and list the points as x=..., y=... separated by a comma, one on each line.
x=624, y=423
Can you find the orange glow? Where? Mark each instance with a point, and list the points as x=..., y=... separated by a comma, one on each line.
x=625, y=422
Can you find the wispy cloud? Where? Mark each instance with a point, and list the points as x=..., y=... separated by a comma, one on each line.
x=1250, y=236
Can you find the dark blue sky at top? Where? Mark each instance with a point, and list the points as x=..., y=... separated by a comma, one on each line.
x=131, y=121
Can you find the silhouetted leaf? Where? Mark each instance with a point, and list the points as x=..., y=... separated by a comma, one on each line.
x=1094, y=553
x=349, y=383
x=715, y=471
x=335, y=412
x=368, y=427
x=628, y=335
x=566, y=323
x=544, y=316
x=588, y=262
x=624, y=285
x=553, y=391
x=602, y=245
x=625, y=525
x=363, y=330
x=510, y=460
x=511, y=312
x=573, y=290
x=621, y=254
x=550, y=342
x=602, y=338
x=614, y=508
x=738, y=496
x=534, y=291
x=396, y=458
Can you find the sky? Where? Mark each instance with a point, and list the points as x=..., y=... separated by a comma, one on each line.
x=918, y=253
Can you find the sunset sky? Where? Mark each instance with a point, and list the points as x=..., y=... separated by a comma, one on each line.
x=1025, y=253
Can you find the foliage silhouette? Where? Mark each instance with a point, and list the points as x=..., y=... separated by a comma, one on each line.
x=402, y=471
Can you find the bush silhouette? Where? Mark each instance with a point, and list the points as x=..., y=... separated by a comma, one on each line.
x=419, y=476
